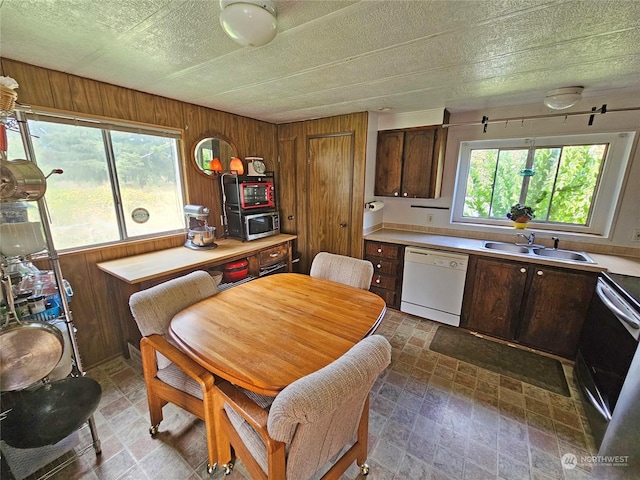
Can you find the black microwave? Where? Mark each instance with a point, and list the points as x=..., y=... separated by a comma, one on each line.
x=252, y=226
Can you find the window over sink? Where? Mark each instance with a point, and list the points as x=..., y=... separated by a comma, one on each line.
x=572, y=182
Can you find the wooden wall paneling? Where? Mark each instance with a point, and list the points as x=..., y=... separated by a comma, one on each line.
x=34, y=87
x=286, y=178
x=202, y=190
x=86, y=96
x=144, y=108
x=168, y=112
x=61, y=90
x=92, y=335
x=117, y=102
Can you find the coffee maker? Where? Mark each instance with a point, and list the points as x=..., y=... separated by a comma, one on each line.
x=200, y=236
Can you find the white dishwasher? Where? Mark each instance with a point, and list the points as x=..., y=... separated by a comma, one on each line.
x=433, y=284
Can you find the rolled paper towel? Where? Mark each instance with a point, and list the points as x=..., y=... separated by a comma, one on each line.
x=375, y=206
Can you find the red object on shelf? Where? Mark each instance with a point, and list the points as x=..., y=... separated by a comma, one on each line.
x=3, y=138
x=235, y=271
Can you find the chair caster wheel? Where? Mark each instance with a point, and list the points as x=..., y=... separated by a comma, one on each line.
x=228, y=468
x=153, y=430
x=364, y=469
x=211, y=468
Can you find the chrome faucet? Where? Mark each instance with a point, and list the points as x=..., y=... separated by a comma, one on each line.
x=556, y=240
x=529, y=239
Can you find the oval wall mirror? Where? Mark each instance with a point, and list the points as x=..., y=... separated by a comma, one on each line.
x=212, y=154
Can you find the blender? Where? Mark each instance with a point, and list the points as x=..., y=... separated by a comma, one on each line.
x=200, y=236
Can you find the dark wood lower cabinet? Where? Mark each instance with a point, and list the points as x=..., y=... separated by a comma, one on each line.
x=496, y=293
x=388, y=263
x=555, y=308
x=538, y=306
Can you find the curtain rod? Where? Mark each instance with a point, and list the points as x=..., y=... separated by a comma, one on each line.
x=486, y=121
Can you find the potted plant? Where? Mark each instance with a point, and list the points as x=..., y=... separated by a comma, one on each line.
x=521, y=214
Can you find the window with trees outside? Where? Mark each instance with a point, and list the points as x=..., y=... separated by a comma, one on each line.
x=571, y=182
x=119, y=181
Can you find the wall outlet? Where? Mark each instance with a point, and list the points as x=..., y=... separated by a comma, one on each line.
x=429, y=217
x=636, y=235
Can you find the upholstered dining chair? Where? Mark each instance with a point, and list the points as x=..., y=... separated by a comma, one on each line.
x=171, y=376
x=309, y=422
x=340, y=268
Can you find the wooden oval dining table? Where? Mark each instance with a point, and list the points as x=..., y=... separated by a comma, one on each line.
x=267, y=333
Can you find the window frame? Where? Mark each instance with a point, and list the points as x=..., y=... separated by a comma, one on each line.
x=608, y=192
x=106, y=126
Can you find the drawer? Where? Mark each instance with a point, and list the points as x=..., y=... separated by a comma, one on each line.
x=273, y=255
x=384, y=281
x=381, y=265
x=384, y=250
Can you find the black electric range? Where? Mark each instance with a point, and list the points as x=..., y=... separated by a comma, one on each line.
x=627, y=285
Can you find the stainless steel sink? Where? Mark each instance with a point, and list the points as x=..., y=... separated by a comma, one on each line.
x=506, y=247
x=563, y=255
x=537, y=250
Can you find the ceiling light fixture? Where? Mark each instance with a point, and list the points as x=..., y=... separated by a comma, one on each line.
x=251, y=23
x=562, y=98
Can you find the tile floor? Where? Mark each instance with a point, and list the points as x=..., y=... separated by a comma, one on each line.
x=432, y=417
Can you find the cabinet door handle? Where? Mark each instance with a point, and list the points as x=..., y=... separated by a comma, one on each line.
x=540, y=273
x=405, y=194
x=395, y=194
x=274, y=255
x=523, y=270
x=378, y=280
x=379, y=250
x=378, y=266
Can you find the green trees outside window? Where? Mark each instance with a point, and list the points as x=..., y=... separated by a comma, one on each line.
x=558, y=182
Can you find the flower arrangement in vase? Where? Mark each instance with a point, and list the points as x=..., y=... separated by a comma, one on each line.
x=521, y=215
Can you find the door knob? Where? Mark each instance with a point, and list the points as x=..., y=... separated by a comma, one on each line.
x=343, y=224
x=290, y=217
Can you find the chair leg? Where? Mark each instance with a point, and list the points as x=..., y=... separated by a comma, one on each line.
x=363, y=438
x=208, y=400
x=155, y=411
x=221, y=439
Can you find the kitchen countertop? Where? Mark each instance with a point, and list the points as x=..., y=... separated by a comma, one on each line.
x=613, y=263
x=148, y=266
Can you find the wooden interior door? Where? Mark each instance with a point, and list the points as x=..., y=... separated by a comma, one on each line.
x=330, y=178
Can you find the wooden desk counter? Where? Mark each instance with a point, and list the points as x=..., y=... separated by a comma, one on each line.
x=137, y=272
x=149, y=266
x=266, y=334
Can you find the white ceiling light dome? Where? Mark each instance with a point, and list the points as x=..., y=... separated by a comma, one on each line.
x=251, y=23
x=562, y=98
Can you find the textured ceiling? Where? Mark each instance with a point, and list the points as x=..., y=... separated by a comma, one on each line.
x=335, y=57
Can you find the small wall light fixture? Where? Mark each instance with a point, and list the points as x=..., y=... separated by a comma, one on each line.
x=562, y=98
x=251, y=23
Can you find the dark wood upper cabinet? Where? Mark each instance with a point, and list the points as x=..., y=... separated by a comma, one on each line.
x=409, y=162
x=389, y=163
